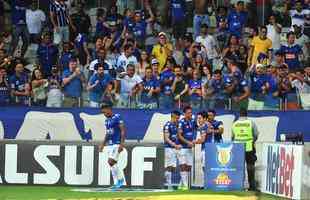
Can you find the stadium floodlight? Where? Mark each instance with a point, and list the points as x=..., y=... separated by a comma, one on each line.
x=295, y=138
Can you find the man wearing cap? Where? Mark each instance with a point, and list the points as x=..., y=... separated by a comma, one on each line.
x=162, y=50
x=114, y=142
x=73, y=81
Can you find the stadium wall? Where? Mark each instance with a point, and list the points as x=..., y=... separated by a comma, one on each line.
x=144, y=125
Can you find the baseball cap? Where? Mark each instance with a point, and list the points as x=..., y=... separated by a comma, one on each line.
x=154, y=61
x=162, y=34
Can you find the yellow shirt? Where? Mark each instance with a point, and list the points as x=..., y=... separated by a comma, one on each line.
x=161, y=53
x=260, y=46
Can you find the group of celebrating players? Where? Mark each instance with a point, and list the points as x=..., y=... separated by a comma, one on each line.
x=180, y=136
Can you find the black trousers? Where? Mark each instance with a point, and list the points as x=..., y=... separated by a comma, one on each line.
x=250, y=158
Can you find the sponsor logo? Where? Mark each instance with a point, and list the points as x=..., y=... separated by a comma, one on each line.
x=224, y=155
x=222, y=179
x=280, y=168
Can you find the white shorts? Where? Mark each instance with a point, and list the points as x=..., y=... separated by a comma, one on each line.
x=186, y=157
x=171, y=156
x=113, y=151
x=203, y=158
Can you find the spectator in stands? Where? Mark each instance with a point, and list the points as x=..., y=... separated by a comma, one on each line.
x=260, y=44
x=39, y=88
x=97, y=85
x=60, y=19
x=162, y=50
x=150, y=90
x=66, y=56
x=187, y=43
x=243, y=59
x=177, y=10
x=81, y=47
x=166, y=80
x=237, y=86
x=139, y=28
x=200, y=17
x=272, y=100
x=303, y=41
x=19, y=26
x=222, y=33
x=99, y=42
x=112, y=15
x=274, y=33
x=206, y=75
x=4, y=88
x=299, y=14
x=35, y=19
x=259, y=87
x=215, y=96
x=143, y=63
x=237, y=19
x=108, y=68
x=20, y=88
x=300, y=80
x=114, y=37
x=292, y=52
x=195, y=90
x=129, y=85
x=209, y=43
x=102, y=28
x=54, y=94
x=73, y=80
x=47, y=54
x=180, y=88
x=109, y=94
x=81, y=21
x=127, y=57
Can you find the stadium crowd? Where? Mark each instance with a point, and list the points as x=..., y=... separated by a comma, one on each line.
x=202, y=54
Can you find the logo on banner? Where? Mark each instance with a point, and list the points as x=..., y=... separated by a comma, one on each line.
x=224, y=154
x=222, y=179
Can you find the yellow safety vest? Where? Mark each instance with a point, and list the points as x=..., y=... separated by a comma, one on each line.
x=243, y=132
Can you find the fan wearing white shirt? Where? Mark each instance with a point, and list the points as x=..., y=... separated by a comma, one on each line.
x=209, y=43
x=299, y=14
x=35, y=19
x=127, y=58
x=129, y=84
x=274, y=33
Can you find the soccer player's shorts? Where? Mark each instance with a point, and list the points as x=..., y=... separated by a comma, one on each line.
x=113, y=151
x=171, y=156
x=203, y=157
x=186, y=157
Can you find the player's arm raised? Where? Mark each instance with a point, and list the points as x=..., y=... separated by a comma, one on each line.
x=123, y=136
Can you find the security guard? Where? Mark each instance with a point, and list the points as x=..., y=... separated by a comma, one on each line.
x=245, y=131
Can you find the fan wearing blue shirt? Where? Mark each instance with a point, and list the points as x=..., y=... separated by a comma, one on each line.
x=202, y=130
x=20, y=87
x=186, y=136
x=47, y=54
x=172, y=145
x=195, y=90
x=97, y=85
x=73, y=80
x=215, y=128
x=291, y=52
x=18, y=8
x=237, y=19
x=114, y=141
x=81, y=47
x=166, y=78
x=66, y=56
x=4, y=88
x=177, y=11
x=150, y=90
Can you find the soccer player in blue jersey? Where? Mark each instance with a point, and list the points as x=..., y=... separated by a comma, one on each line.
x=114, y=140
x=215, y=128
x=186, y=136
x=202, y=133
x=172, y=145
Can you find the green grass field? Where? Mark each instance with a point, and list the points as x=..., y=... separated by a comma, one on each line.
x=65, y=193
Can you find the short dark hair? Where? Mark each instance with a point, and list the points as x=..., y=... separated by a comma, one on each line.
x=203, y=114
x=187, y=108
x=212, y=111
x=289, y=33
x=204, y=26
x=263, y=27
x=106, y=104
x=217, y=71
x=175, y=112
x=127, y=46
x=243, y=112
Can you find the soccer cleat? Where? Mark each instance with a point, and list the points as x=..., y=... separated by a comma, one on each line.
x=120, y=183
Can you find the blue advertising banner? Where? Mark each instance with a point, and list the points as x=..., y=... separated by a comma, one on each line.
x=34, y=123
x=225, y=170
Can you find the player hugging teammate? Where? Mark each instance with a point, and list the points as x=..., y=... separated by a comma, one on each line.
x=181, y=135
